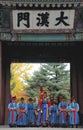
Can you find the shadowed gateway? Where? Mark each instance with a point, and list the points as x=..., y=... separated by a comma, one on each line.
x=71, y=52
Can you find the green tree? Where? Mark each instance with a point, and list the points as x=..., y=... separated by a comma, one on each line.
x=54, y=77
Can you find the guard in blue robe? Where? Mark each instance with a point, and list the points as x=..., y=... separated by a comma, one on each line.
x=39, y=115
x=74, y=115
x=63, y=111
x=31, y=113
x=44, y=117
x=22, y=114
x=53, y=111
x=12, y=107
x=44, y=113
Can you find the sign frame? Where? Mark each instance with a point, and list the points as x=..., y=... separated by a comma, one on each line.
x=41, y=31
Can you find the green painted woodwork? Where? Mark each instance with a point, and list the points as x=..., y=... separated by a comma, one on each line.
x=41, y=37
x=5, y=29
x=51, y=38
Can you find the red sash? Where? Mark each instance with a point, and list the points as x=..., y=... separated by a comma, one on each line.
x=63, y=107
x=64, y=116
x=74, y=116
x=21, y=109
x=21, y=114
x=12, y=116
x=64, y=113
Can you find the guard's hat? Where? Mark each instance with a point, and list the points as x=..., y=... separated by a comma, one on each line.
x=73, y=98
x=30, y=99
x=22, y=98
x=14, y=98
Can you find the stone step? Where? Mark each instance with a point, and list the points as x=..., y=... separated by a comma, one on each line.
x=37, y=128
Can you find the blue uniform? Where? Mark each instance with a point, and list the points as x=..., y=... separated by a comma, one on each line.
x=22, y=115
x=44, y=111
x=39, y=117
x=62, y=114
x=12, y=113
x=53, y=114
x=44, y=116
x=31, y=114
x=74, y=116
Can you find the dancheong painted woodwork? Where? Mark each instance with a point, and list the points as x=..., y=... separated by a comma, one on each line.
x=13, y=12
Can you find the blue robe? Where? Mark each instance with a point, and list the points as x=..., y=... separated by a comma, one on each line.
x=53, y=114
x=39, y=117
x=22, y=116
x=31, y=114
x=63, y=114
x=44, y=116
x=44, y=112
x=12, y=114
x=74, y=116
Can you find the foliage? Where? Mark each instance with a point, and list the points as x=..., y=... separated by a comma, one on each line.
x=54, y=77
x=19, y=73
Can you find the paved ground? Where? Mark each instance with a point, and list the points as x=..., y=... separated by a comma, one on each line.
x=36, y=128
x=39, y=128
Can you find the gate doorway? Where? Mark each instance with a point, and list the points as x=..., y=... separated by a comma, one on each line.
x=36, y=52
x=27, y=79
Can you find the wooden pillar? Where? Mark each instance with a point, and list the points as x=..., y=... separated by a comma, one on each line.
x=80, y=89
x=74, y=79
x=1, y=89
x=77, y=84
x=4, y=86
x=7, y=91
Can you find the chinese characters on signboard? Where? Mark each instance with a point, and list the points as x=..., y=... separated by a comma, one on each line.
x=46, y=20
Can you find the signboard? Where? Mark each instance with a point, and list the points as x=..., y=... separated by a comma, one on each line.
x=42, y=20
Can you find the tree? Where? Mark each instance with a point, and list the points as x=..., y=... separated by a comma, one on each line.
x=19, y=73
x=54, y=77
